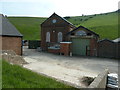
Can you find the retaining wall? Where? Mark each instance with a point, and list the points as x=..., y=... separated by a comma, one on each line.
x=100, y=81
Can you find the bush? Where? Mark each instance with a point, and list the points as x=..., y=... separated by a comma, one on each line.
x=67, y=17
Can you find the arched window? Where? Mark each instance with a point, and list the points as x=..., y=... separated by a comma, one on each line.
x=80, y=33
x=48, y=37
x=60, y=37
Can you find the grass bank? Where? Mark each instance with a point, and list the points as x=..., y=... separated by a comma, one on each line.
x=14, y=76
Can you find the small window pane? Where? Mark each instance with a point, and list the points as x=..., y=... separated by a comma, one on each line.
x=81, y=33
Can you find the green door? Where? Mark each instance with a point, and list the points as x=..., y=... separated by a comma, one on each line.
x=79, y=46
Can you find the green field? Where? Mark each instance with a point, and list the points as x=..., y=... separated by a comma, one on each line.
x=14, y=76
x=28, y=26
x=106, y=25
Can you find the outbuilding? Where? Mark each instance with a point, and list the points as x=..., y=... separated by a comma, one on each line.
x=84, y=41
x=107, y=48
x=10, y=37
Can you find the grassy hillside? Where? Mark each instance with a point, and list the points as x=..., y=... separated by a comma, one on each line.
x=28, y=26
x=106, y=25
x=14, y=76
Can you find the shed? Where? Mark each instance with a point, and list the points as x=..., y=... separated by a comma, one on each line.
x=107, y=48
x=84, y=41
x=10, y=37
x=117, y=42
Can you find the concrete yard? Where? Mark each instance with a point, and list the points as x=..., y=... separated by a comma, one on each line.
x=70, y=69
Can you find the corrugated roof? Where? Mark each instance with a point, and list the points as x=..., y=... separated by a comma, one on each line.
x=116, y=40
x=7, y=29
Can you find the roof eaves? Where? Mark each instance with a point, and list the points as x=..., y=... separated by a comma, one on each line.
x=90, y=31
x=12, y=35
x=84, y=28
x=105, y=40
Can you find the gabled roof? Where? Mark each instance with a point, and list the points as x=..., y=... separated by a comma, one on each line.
x=84, y=28
x=116, y=40
x=7, y=29
x=106, y=40
x=54, y=14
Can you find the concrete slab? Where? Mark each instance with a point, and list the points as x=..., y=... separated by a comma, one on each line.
x=70, y=69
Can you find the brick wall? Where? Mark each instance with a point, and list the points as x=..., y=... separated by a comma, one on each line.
x=12, y=43
x=93, y=47
x=54, y=29
x=65, y=49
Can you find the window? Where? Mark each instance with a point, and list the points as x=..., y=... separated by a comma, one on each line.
x=60, y=37
x=80, y=33
x=54, y=21
x=48, y=37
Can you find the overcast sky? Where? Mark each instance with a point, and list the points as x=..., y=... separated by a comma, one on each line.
x=44, y=8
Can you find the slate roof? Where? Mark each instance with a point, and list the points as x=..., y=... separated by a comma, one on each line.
x=7, y=29
x=84, y=28
x=59, y=17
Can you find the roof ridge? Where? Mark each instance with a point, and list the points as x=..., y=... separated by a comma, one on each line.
x=59, y=17
x=64, y=19
x=106, y=39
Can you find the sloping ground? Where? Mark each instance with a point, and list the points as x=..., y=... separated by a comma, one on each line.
x=108, y=31
x=28, y=26
x=14, y=76
x=104, y=24
x=102, y=20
